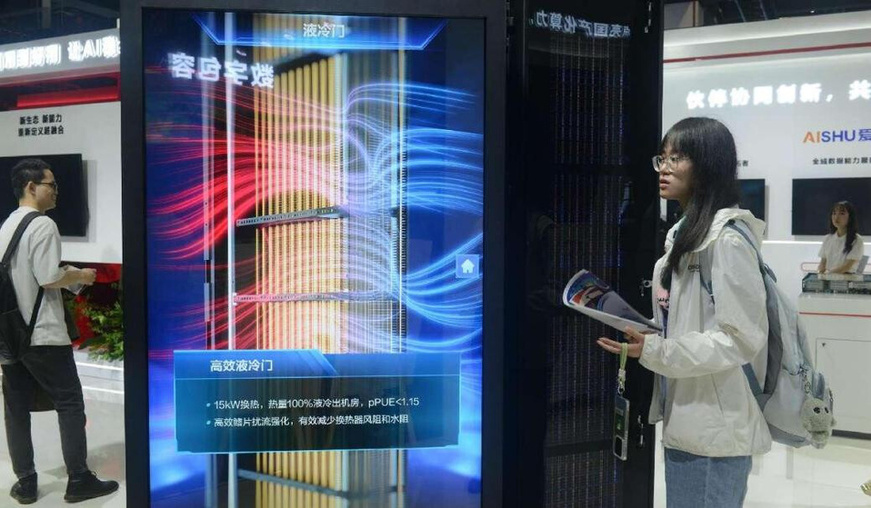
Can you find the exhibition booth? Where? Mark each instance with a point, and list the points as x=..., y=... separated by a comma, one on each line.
x=796, y=95
x=344, y=238
x=795, y=92
x=336, y=226
x=60, y=102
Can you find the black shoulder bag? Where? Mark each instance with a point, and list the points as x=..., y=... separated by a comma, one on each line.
x=14, y=332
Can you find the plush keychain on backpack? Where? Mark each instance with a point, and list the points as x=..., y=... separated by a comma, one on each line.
x=817, y=419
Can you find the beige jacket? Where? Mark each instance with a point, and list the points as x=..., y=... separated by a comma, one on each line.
x=702, y=394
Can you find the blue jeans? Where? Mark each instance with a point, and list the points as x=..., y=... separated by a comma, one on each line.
x=692, y=481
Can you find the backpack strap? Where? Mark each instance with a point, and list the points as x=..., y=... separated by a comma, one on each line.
x=7, y=257
x=755, y=387
x=35, y=313
x=763, y=268
x=16, y=237
x=775, y=347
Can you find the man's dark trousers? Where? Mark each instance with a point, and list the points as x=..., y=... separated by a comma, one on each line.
x=53, y=369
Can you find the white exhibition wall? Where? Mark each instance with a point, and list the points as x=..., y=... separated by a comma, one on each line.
x=772, y=85
x=94, y=130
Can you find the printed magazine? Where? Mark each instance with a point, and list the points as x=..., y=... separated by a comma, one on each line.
x=590, y=295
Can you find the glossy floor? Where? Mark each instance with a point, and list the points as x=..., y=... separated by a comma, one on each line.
x=803, y=478
x=105, y=456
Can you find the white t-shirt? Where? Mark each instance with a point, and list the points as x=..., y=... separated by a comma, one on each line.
x=34, y=264
x=833, y=251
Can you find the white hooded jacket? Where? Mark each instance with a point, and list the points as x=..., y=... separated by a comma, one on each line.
x=702, y=394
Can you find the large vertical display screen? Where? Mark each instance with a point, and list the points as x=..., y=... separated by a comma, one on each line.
x=314, y=189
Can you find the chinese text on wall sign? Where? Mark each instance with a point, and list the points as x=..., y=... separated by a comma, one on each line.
x=51, y=55
x=40, y=125
x=768, y=95
x=567, y=24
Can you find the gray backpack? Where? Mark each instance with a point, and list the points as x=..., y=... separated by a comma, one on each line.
x=794, y=398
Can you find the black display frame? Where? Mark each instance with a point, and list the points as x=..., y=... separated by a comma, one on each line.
x=134, y=224
x=755, y=181
x=810, y=217
x=72, y=215
x=523, y=478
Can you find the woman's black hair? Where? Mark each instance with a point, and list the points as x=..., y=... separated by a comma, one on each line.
x=852, y=224
x=710, y=147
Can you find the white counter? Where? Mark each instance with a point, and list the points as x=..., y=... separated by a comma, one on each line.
x=839, y=335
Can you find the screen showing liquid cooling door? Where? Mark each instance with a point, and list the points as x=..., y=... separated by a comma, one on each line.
x=315, y=244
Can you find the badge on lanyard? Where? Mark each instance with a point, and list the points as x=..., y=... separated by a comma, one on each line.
x=621, y=409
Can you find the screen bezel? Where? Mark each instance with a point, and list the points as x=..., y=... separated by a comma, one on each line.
x=822, y=208
x=756, y=182
x=70, y=171
x=134, y=210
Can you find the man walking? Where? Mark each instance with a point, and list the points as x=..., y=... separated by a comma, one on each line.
x=48, y=364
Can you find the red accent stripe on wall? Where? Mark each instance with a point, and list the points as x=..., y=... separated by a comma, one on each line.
x=829, y=314
x=747, y=54
x=65, y=98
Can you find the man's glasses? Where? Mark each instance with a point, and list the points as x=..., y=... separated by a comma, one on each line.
x=53, y=185
x=670, y=162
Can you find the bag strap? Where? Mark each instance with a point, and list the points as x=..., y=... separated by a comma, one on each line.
x=16, y=237
x=10, y=250
x=35, y=312
x=755, y=388
x=763, y=268
x=734, y=227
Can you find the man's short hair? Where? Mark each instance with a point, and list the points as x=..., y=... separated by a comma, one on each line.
x=26, y=171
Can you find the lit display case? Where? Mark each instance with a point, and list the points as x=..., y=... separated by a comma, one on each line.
x=312, y=188
x=344, y=223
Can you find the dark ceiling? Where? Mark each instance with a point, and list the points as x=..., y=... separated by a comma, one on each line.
x=23, y=20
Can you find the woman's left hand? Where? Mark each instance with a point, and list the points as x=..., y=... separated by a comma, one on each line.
x=636, y=343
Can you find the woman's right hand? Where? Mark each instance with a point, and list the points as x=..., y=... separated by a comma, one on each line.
x=633, y=336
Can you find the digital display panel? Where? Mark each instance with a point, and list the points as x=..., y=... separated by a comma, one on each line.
x=71, y=214
x=813, y=199
x=314, y=194
x=753, y=196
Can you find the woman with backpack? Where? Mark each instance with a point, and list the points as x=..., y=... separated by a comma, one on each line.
x=712, y=423
x=843, y=247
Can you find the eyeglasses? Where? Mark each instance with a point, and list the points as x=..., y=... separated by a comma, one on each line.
x=53, y=185
x=670, y=162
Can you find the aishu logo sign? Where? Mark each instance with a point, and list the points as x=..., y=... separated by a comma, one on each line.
x=837, y=136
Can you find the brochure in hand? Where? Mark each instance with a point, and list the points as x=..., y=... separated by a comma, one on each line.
x=590, y=295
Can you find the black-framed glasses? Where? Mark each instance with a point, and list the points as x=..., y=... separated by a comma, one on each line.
x=670, y=162
x=53, y=185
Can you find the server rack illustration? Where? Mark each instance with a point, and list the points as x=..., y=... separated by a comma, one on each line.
x=322, y=187
x=315, y=184
x=329, y=241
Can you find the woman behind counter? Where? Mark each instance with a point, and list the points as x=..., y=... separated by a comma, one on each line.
x=842, y=248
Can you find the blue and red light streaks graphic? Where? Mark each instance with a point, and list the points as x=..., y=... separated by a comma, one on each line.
x=444, y=169
x=441, y=194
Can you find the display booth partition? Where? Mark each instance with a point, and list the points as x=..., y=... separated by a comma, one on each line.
x=585, y=88
x=342, y=282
